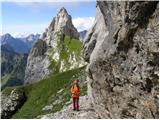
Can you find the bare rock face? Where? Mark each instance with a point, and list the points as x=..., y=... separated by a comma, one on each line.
x=63, y=23
x=37, y=63
x=10, y=104
x=122, y=51
x=47, y=51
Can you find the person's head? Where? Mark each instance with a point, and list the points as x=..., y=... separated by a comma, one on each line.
x=76, y=81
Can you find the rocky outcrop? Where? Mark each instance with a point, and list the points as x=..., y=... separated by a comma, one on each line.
x=63, y=22
x=122, y=51
x=61, y=25
x=10, y=104
x=54, y=51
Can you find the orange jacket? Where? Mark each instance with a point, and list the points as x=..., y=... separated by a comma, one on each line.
x=75, y=91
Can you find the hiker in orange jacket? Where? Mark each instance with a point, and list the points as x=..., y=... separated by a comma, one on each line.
x=75, y=91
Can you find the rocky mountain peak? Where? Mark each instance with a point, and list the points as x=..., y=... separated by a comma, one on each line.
x=53, y=52
x=62, y=24
x=63, y=10
x=6, y=36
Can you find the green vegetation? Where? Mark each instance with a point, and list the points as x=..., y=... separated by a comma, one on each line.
x=13, y=71
x=8, y=90
x=12, y=67
x=68, y=49
x=54, y=66
x=73, y=45
x=5, y=79
x=45, y=92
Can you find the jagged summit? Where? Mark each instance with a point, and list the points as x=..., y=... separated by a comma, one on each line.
x=63, y=10
x=6, y=36
x=62, y=24
x=64, y=14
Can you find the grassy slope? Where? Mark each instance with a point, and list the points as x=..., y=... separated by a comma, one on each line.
x=41, y=93
x=5, y=79
x=45, y=92
x=13, y=70
x=73, y=45
x=68, y=47
x=12, y=67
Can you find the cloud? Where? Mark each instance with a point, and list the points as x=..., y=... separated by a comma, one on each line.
x=83, y=23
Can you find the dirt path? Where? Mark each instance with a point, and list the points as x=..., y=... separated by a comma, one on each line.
x=86, y=111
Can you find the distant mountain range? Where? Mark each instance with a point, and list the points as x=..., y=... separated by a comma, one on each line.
x=82, y=35
x=24, y=44
x=14, y=53
x=19, y=45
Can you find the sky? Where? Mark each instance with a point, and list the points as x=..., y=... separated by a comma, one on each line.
x=24, y=18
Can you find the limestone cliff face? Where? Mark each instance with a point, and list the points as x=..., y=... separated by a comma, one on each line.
x=122, y=51
x=55, y=51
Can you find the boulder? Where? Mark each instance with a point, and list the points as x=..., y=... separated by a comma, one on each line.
x=10, y=104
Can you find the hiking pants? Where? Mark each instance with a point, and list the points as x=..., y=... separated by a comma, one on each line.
x=75, y=103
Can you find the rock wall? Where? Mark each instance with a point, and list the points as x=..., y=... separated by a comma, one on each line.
x=37, y=63
x=122, y=51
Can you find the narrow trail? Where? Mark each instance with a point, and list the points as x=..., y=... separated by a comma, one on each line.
x=86, y=111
